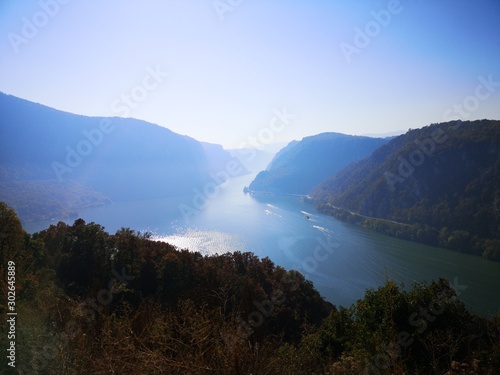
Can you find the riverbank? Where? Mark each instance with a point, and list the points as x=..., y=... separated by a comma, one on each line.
x=420, y=233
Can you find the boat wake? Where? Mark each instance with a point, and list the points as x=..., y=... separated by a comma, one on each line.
x=271, y=213
x=324, y=230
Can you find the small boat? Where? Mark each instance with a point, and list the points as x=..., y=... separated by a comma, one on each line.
x=307, y=217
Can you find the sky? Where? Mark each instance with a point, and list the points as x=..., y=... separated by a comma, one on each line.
x=231, y=71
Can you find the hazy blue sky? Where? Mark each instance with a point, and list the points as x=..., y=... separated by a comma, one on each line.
x=232, y=63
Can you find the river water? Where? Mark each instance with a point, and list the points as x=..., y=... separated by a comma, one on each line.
x=342, y=260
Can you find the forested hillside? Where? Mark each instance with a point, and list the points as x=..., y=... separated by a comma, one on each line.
x=302, y=165
x=90, y=302
x=440, y=182
x=43, y=151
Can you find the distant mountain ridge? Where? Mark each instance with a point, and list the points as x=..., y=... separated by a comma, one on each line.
x=109, y=158
x=302, y=165
x=441, y=182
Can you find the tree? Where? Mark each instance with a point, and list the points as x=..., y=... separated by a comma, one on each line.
x=87, y=256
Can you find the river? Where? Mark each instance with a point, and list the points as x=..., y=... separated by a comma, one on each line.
x=341, y=259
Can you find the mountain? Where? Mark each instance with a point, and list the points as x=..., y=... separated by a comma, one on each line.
x=439, y=185
x=43, y=150
x=302, y=165
x=222, y=161
x=127, y=303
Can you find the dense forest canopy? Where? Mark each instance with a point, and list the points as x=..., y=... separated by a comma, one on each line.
x=302, y=165
x=94, y=302
x=439, y=185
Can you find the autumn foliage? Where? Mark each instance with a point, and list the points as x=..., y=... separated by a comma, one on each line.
x=96, y=303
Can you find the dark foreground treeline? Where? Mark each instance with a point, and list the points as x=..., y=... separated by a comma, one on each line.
x=93, y=303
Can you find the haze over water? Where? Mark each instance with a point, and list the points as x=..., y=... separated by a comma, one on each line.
x=342, y=260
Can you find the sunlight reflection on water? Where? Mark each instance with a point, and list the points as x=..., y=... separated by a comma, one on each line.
x=205, y=242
